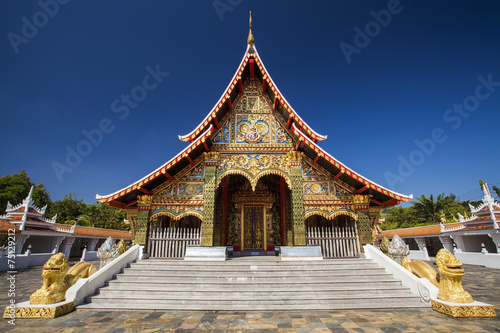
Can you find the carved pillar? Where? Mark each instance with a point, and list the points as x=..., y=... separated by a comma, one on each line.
x=282, y=212
x=374, y=213
x=207, y=230
x=132, y=219
x=365, y=227
x=225, y=209
x=299, y=229
x=141, y=225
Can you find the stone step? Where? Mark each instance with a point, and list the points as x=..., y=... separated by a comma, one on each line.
x=246, y=278
x=245, y=262
x=248, y=284
x=243, y=307
x=254, y=272
x=388, y=301
x=256, y=267
x=249, y=294
x=270, y=286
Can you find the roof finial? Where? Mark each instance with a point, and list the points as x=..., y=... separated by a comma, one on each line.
x=250, y=39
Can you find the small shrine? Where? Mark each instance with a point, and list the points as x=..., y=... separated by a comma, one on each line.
x=253, y=177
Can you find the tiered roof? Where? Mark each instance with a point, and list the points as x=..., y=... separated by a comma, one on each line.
x=26, y=216
x=485, y=217
x=251, y=66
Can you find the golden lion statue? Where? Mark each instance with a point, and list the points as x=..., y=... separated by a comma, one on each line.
x=58, y=277
x=450, y=278
x=421, y=269
x=384, y=246
x=122, y=247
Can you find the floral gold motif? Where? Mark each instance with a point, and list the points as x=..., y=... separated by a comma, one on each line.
x=459, y=311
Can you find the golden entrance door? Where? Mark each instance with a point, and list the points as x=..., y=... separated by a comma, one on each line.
x=253, y=227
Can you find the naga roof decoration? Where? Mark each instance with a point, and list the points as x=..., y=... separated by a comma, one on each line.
x=255, y=135
x=161, y=174
x=225, y=102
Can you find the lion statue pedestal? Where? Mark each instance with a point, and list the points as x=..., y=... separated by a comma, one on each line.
x=453, y=300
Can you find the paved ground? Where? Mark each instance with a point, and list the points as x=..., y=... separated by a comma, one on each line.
x=482, y=283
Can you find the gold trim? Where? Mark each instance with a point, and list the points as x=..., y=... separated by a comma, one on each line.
x=464, y=310
x=47, y=312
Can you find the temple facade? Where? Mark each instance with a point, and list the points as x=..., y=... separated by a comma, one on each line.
x=253, y=177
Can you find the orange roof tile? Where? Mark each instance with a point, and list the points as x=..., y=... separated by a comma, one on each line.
x=411, y=232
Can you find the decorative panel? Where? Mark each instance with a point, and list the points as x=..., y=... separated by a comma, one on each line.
x=252, y=128
x=317, y=188
x=190, y=189
x=223, y=136
x=282, y=137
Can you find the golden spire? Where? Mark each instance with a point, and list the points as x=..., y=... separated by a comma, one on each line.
x=250, y=39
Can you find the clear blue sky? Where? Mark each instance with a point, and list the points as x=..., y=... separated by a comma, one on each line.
x=62, y=71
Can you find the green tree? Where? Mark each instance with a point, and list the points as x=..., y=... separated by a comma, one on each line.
x=497, y=191
x=100, y=215
x=68, y=209
x=15, y=188
x=429, y=211
x=398, y=217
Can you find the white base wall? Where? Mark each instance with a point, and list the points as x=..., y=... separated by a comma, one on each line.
x=490, y=260
x=419, y=255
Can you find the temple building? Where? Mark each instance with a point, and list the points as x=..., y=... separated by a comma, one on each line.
x=254, y=177
x=473, y=240
x=36, y=238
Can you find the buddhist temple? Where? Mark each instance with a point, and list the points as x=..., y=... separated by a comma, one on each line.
x=253, y=177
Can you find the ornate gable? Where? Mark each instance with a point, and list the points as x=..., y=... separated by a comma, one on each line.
x=252, y=124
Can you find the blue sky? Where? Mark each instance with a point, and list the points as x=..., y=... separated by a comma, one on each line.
x=408, y=92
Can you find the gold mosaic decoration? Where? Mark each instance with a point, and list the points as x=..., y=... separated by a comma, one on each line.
x=223, y=136
x=190, y=189
x=253, y=167
x=253, y=128
x=464, y=310
x=319, y=188
x=41, y=311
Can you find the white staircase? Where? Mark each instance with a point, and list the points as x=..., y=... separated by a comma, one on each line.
x=250, y=283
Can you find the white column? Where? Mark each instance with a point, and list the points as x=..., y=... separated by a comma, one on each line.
x=56, y=242
x=447, y=242
x=20, y=240
x=422, y=247
x=92, y=244
x=459, y=241
x=496, y=239
x=66, y=245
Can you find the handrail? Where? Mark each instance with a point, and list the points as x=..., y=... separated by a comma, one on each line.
x=86, y=287
x=418, y=286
